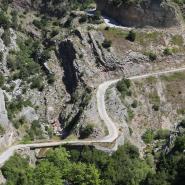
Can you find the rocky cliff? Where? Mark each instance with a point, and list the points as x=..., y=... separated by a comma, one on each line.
x=158, y=13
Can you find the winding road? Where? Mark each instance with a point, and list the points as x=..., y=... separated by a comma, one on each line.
x=111, y=126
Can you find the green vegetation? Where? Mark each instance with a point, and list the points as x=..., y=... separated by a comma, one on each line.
x=55, y=169
x=167, y=51
x=134, y=104
x=86, y=131
x=152, y=56
x=2, y=130
x=107, y=43
x=123, y=87
x=2, y=80
x=6, y=37
x=162, y=134
x=177, y=40
x=16, y=106
x=131, y=36
x=155, y=100
x=148, y=136
x=174, y=77
x=4, y=21
x=34, y=132
x=88, y=166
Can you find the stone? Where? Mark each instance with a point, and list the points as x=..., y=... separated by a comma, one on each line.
x=3, y=112
x=157, y=13
x=29, y=114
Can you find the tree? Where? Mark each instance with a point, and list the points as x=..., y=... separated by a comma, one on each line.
x=46, y=173
x=17, y=171
x=83, y=174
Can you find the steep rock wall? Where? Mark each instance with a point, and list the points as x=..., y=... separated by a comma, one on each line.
x=158, y=13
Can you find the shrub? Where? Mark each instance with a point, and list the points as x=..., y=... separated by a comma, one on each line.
x=131, y=36
x=35, y=131
x=155, y=107
x=97, y=15
x=2, y=130
x=83, y=19
x=134, y=104
x=2, y=79
x=152, y=56
x=68, y=23
x=86, y=132
x=167, y=51
x=148, y=136
x=51, y=78
x=1, y=56
x=40, y=24
x=182, y=123
x=123, y=87
x=37, y=83
x=107, y=43
x=6, y=37
x=4, y=21
x=162, y=134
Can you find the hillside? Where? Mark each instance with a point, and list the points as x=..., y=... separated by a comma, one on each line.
x=111, y=96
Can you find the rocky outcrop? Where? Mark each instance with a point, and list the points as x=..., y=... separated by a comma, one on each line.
x=158, y=13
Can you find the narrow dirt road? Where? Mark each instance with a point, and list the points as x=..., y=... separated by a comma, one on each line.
x=113, y=132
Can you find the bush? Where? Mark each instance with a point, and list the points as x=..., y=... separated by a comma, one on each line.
x=37, y=83
x=123, y=87
x=51, y=78
x=131, y=36
x=2, y=80
x=152, y=56
x=134, y=104
x=86, y=132
x=97, y=15
x=6, y=37
x=148, y=136
x=2, y=130
x=155, y=107
x=1, y=56
x=182, y=123
x=4, y=21
x=40, y=24
x=162, y=134
x=68, y=23
x=167, y=51
x=83, y=19
x=35, y=131
x=107, y=43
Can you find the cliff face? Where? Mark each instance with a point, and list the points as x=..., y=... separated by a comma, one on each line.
x=156, y=13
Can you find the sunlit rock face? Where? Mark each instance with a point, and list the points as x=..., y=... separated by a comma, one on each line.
x=158, y=13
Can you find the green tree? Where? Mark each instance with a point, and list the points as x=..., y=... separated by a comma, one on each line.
x=17, y=171
x=46, y=173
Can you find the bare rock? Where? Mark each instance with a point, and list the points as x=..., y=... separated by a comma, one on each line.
x=157, y=13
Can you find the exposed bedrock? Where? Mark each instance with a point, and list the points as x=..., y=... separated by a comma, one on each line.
x=158, y=13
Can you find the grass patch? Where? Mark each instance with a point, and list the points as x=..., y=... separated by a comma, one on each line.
x=116, y=33
x=147, y=38
x=174, y=77
x=177, y=40
x=151, y=80
x=154, y=98
x=130, y=114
